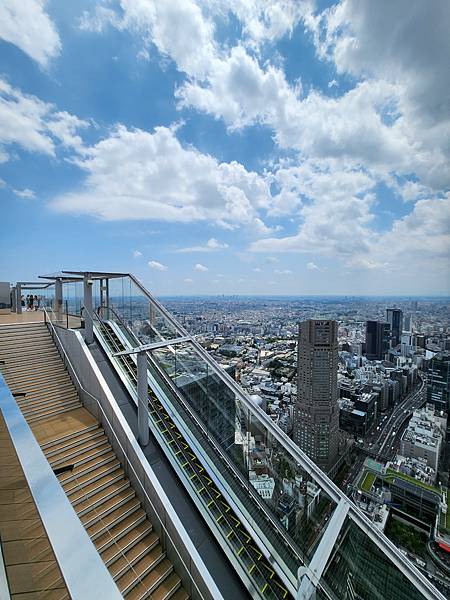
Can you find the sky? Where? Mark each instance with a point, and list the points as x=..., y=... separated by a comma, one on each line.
x=228, y=146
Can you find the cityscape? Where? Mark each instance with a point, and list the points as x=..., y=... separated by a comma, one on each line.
x=225, y=300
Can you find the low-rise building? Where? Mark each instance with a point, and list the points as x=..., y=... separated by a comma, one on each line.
x=425, y=435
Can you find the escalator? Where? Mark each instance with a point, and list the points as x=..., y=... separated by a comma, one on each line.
x=227, y=527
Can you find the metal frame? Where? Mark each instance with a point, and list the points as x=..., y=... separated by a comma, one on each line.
x=154, y=346
x=4, y=587
x=424, y=586
x=115, y=416
x=309, y=577
x=82, y=568
x=381, y=541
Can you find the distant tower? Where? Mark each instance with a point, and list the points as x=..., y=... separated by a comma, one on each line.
x=377, y=340
x=316, y=416
x=394, y=316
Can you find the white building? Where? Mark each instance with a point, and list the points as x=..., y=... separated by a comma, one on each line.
x=424, y=436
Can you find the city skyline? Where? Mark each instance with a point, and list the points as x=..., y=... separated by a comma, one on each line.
x=274, y=148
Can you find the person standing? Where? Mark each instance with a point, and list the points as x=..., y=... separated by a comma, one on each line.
x=36, y=302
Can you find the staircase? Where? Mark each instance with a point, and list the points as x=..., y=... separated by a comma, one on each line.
x=33, y=369
x=86, y=465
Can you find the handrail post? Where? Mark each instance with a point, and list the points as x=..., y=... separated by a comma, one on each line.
x=88, y=320
x=142, y=385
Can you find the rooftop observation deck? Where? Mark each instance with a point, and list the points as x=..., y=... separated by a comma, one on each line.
x=212, y=435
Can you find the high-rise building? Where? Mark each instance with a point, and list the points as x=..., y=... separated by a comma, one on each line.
x=394, y=316
x=438, y=386
x=316, y=419
x=377, y=339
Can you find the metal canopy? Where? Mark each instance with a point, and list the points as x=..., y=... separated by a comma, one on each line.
x=38, y=285
x=95, y=274
x=154, y=346
x=60, y=276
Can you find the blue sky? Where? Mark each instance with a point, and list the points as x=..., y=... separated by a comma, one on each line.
x=277, y=147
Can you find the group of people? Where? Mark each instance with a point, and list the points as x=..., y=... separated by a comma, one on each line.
x=31, y=302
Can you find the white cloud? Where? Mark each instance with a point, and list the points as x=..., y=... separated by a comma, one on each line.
x=200, y=267
x=25, y=24
x=157, y=266
x=266, y=20
x=25, y=193
x=311, y=266
x=374, y=40
x=137, y=254
x=185, y=184
x=188, y=280
x=257, y=270
x=35, y=125
x=283, y=272
x=211, y=245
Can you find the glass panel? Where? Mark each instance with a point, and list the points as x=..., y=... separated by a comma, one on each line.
x=277, y=496
x=359, y=569
x=139, y=312
x=73, y=297
x=42, y=297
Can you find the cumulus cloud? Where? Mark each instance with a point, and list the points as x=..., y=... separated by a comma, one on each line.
x=35, y=125
x=134, y=174
x=157, y=266
x=283, y=272
x=25, y=193
x=25, y=24
x=211, y=245
x=377, y=124
x=200, y=267
x=137, y=254
x=188, y=280
x=311, y=266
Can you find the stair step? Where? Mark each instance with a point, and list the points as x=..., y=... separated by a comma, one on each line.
x=68, y=436
x=81, y=493
x=153, y=553
x=36, y=407
x=83, y=469
x=113, y=523
x=86, y=505
x=69, y=443
x=146, y=565
x=70, y=454
x=149, y=582
x=50, y=358
x=37, y=401
x=24, y=374
x=169, y=588
x=64, y=408
x=89, y=455
x=42, y=389
x=102, y=510
x=92, y=475
x=139, y=532
x=48, y=395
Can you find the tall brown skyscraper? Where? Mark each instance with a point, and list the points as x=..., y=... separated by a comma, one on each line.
x=316, y=416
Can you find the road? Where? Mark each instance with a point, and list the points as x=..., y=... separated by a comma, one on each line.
x=385, y=438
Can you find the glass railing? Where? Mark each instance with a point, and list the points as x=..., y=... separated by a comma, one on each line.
x=295, y=501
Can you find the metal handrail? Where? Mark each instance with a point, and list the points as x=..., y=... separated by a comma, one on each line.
x=419, y=581
x=211, y=497
x=355, y=514
x=179, y=526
